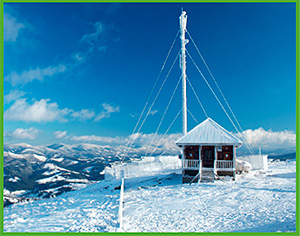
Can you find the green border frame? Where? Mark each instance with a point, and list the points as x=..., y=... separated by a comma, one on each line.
x=297, y=233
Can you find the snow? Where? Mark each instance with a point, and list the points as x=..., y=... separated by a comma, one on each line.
x=92, y=209
x=15, y=179
x=58, y=159
x=147, y=166
x=75, y=162
x=261, y=201
x=258, y=162
x=209, y=132
x=13, y=193
x=58, y=177
x=53, y=167
x=39, y=157
x=88, y=169
x=13, y=155
x=47, y=173
x=54, y=178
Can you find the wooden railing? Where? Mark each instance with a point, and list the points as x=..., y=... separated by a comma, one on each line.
x=191, y=164
x=218, y=165
x=224, y=164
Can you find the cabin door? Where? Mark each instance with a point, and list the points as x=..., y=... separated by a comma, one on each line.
x=208, y=156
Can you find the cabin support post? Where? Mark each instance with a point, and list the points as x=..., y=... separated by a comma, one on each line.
x=215, y=161
x=234, y=157
x=200, y=162
x=182, y=159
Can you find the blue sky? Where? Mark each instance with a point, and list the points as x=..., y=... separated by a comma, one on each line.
x=83, y=72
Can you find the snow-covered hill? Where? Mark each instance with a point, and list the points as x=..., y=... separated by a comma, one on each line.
x=47, y=171
x=256, y=202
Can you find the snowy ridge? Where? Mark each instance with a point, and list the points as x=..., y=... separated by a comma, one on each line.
x=256, y=202
x=40, y=169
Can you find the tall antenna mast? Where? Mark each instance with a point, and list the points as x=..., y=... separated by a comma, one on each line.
x=182, y=22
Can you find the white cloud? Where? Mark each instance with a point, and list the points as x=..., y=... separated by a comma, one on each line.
x=269, y=139
x=137, y=140
x=21, y=133
x=107, y=110
x=160, y=140
x=39, y=111
x=13, y=95
x=93, y=37
x=11, y=28
x=60, y=134
x=153, y=112
x=84, y=114
x=101, y=37
x=78, y=56
x=101, y=139
x=47, y=111
x=36, y=74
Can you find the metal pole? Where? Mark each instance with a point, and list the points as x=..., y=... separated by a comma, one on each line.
x=182, y=22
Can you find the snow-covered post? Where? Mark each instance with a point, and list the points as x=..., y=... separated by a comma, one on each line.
x=121, y=205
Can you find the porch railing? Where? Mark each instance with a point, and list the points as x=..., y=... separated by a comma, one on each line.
x=223, y=164
x=191, y=164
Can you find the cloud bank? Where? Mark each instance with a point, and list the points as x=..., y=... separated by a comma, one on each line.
x=21, y=133
x=11, y=28
x=60, y=134
x=39, y=111
x=268, y=139
x=107, y=110
x=13, y=95
x=46, y=111
x=135, y=140
x=37, y=74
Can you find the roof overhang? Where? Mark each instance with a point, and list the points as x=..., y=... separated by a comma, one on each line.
x=237, y=145
x=209, y=133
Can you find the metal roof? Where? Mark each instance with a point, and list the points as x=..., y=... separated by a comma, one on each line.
x=209, y=132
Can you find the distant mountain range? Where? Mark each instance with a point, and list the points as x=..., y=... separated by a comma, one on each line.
x=34, y=172
x=283, y=157
x=47, y=171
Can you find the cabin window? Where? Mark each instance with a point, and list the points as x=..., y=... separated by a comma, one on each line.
x=227, y=153
x=191, y=152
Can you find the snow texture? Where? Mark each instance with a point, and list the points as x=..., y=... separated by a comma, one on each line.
x=258, y=162
x=261, y=201
x=147, y=166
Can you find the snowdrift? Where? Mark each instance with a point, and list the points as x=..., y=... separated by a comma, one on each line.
x=261, y=201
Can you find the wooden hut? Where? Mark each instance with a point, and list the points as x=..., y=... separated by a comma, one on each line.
x=208, y=152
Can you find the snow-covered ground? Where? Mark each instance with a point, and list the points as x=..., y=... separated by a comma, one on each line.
x=256, y=202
